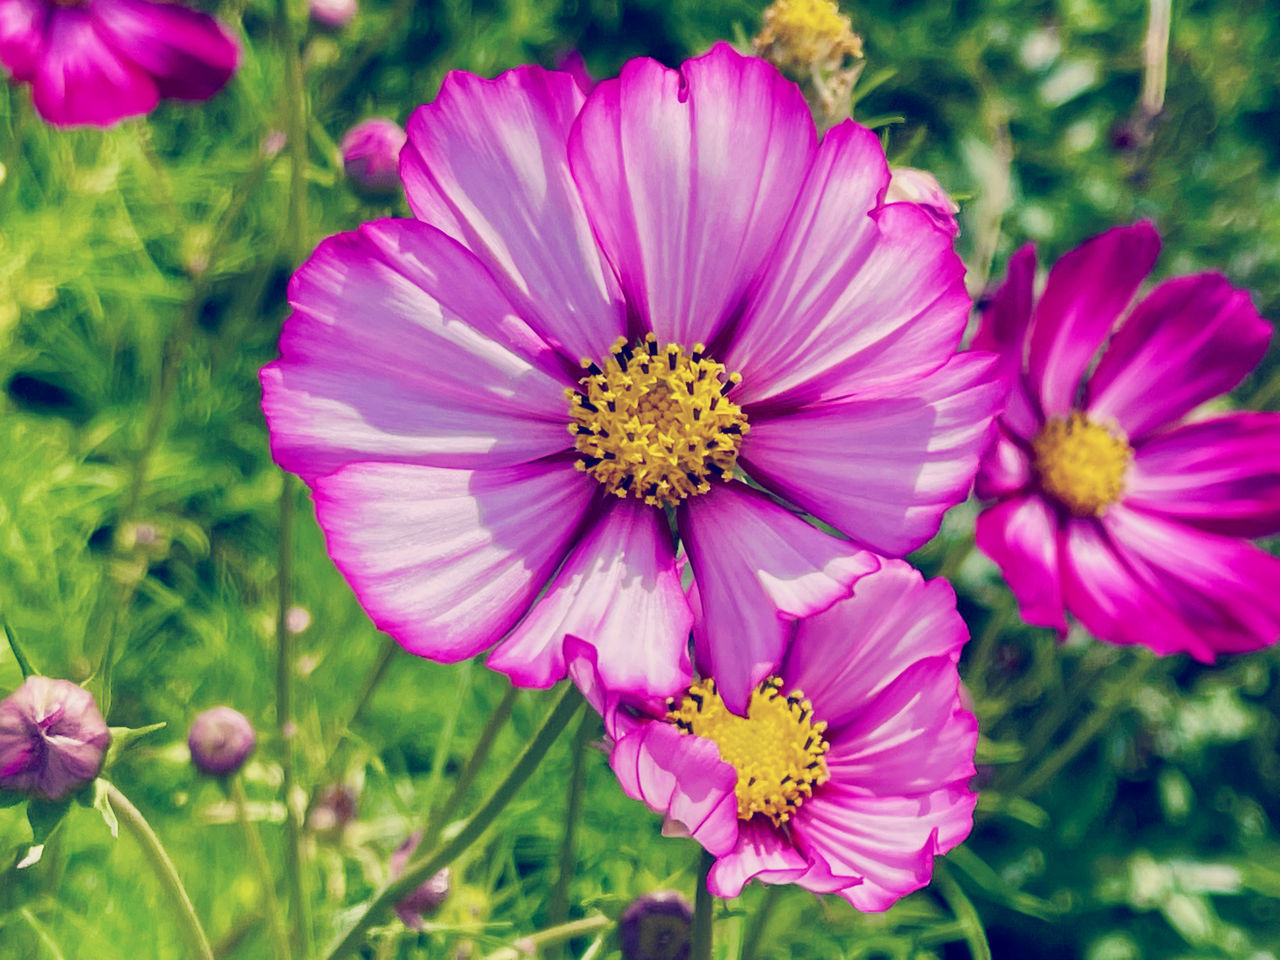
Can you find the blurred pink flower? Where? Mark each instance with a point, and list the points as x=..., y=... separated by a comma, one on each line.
x=52, y=738
x=495, y=404
x=850, y=771
x=220, y=740
x=428, y=897
x=909, y=185
x=1112, y=505
x=96, y=62
x=333, y=14
x=371, y=156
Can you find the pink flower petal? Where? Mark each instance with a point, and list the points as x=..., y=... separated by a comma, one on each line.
x=883, y=470
x=1003, y=330
x=758, y=567
x=855, y=294
x=688, y=178
x=1088, y=289
x=188, y=54
x=762, y=853
x=1006, y=467
x=1191, y=339
x=843, y=658
x=1220, y=475
x=621, y=713
x=683, y=777
x=401, y=348
x=447, y=561
x=1021, y=537
x=620, y=590
x=889, y=842
x=487, y=163
x=81, y=79
x=22, y=25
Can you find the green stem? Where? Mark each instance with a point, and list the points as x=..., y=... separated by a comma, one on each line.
x=703, y=905
x=552, y=936
x=983, y=651
x=136, y=824
x=759, y=923
x=419, y=871
x=558, y=906
x=960, y=905
x=253, y=839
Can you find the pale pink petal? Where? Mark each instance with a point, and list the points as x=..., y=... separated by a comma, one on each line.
x=401, y=348
x=910, y=185
x=1003, y=330
x=855, y=294
x=81, y=79
x=22, y=25
x=762, y=853
x=683, y=777
x=621, y=714
x=620, y=590
x=758, y=568
x=487, y=163
x=889, y=842
x=883, y=470
x=688, y=178
x=1087, y=290
x=188, y=54
x=447, y=561
x=843, y=658
x=1220, y=475
x=910, y=737
x=1021, y=537
x=1006, y=467
x=1191, y=339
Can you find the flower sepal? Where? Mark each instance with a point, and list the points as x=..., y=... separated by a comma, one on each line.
x=122, y=738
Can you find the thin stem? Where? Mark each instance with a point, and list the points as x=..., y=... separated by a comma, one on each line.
x=262, y=865
x=983, y=650
x=759, y=923
x=703, y=905
x=962, y=907
x=136, y=824
x=417, y=872
x=550, y=937
x=558, y=906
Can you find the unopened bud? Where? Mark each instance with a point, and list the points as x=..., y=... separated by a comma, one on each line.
x=656, y=927
x=333, y=14
x=371, y=156
x=427, y=899
x=52, y=738
x=221, y=739
x=909, y=185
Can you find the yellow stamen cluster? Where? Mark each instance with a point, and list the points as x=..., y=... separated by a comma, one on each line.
x=654, y=423
x=1081, y=464
x=777, y=749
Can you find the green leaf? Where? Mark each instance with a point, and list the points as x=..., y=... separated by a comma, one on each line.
x=23, y=663
x=122, y=738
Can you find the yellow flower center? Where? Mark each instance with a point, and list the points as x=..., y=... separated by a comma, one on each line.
x=655, y=423
x=801, y=35
x=777, y=749
x=1081, y=464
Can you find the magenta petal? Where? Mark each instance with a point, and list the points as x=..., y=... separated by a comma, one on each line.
x=22, y=24
x=620, y=590
x=1021, y=537
x=401, y=348
x=883, y=470
x=487, y=163
x=843, y=658
x=758, y=567
x=189, y=55
x=80, y=78
x=1087, y=290
x=1220, y=475
x=446, y=561
x=682, y=777
x=855, y=294
x=1003, y=330
x=1006, y=468
x=762, y=853
x=688, y=178
x=582, y=664
x=889, y=842
x=1189, y=340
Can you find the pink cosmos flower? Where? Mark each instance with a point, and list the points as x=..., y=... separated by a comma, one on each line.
x=850, y=771
x=1111, y=505
x=498, y=405
x=96, y=62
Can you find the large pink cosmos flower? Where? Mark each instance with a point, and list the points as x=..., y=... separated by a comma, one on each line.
x=517, y=388
x=850, y=770
x=1111, y=506
x=98, y=61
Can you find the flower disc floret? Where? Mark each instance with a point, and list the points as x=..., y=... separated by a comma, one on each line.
x=1081, y=464
x=654, y=422
x=777, y=749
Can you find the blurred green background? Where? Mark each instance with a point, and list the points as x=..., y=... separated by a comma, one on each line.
x=147, y=508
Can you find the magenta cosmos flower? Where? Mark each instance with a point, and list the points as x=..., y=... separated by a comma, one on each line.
x=609, y=307
x=849, y=772
x=1111, y=505
x=98, y=61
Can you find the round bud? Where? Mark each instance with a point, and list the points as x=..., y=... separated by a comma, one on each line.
x=52, y=738
x=656, y=927
x=334, y=14
x=221, y=739
x=371, y=157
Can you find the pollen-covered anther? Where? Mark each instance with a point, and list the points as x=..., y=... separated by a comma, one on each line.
x=1081, y=464
x=777, y=749
x=655, y=422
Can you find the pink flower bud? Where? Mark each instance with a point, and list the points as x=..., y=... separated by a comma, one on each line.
x=909, y=185
x=334, y=14
x=221, y=739
x=52, y=738
x=656, y=927
x=371, y=156
x=427, y=898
